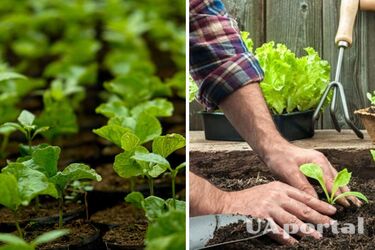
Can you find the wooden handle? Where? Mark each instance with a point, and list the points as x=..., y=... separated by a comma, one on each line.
x=367, y=5
x=348, y=13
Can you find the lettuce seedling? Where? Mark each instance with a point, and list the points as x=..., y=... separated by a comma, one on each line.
x=12, y=242
x=342, y=179
x=26, y=126
x=19, y=185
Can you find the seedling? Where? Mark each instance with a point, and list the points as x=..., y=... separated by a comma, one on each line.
x=5, y=131
x=342, y=179
x=44, y=159
x=13, y=242
x=17, y=191
x=26, y=125
x=154, y=206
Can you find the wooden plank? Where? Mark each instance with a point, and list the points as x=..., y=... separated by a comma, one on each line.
x=195, y=120
x=249, y=15
x=370, y=53
x=296, y=23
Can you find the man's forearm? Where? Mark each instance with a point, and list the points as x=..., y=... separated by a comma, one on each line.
x=248, y=112
x=201, y=195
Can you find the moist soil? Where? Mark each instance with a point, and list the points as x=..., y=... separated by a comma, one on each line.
x=329, y=241
x=47, y=212
x=80, y=234
x=129, y=236
x=118, y=215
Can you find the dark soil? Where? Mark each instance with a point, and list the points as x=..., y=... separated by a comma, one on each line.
x=80, y=234
x=330, y=241
x=43, y=213
x=126, y=237
x=119, y=215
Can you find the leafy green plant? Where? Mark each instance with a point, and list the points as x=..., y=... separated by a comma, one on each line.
x=44, y=159
x=291, y=83
x=167, y=231
x=371, y=97
x=342, y=179
x=13, y=242
x=166, y=220
x=20, y=184
x=26, y=126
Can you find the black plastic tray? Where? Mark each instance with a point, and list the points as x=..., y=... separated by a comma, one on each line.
x=293, y=126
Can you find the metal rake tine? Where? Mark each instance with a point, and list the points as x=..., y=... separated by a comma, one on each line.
x=344, y=105
x=332, y=110
x=321, y=102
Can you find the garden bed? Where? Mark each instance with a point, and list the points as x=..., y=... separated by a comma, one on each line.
x=234, y=166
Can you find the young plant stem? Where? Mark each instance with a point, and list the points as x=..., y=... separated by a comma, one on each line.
x=16, y=219
x=4, y=144
x=86, y=206
x=61, y=203
x=132, y=183
x=173, y=177
x=151, y=185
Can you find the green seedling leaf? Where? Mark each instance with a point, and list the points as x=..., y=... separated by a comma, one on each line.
x=26, y=118
x=158, y=107
x=356, y=194
x=30, y=182
x=125, y=166
x=154, y=207
x=44, y=159
x=49, y=236
x=12, y=239
x=180, y=205
x=7, y=130
x=17, y=247
x=157, y=164
x=314, y=171
x=16, y=126
x=130, y=142
x=4, y=76
x=73, y=172
x=112, y=133
x=165, y=145
x=372, y=154
x=136, y=199
x=147, y=127
x=112, y=109
x=9, y=194
x=167, y=232
x=342, y=179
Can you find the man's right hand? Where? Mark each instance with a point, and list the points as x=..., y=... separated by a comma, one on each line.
x=283, y=204
x=280, y=202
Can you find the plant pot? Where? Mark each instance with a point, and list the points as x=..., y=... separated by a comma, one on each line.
x=292, y=126
x=82, y=236
x=129, y=236
x=46, y=215
x=367, y=116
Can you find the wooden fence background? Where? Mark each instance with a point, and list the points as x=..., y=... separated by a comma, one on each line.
x=310, y=23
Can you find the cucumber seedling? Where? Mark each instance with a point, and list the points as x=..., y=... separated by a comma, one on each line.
x=16, y=190
x=26, y=126
x=342, y=179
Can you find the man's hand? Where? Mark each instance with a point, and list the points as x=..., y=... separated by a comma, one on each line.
x=284, y=160
x=277, y=201
x=248, y=112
